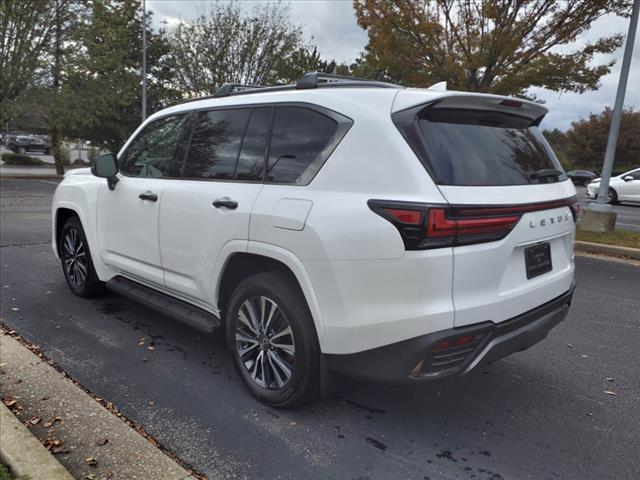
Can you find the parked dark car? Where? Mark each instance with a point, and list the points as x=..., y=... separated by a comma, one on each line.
x=581, y=177
x=26, y=143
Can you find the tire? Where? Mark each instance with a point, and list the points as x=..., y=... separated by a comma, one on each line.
x=612, y=198
x=76, y=262
x=278, y=304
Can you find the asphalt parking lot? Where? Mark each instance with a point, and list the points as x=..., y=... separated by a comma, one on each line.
x=540, y=414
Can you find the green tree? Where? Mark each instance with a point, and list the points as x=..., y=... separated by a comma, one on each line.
x=106, y=83
x=499, y=46
x=25, y=33
x=229, y=46
x=586, y=141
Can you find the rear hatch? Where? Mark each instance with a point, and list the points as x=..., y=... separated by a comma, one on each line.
x=511, y=207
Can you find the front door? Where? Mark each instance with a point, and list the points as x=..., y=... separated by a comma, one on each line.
x=127, y=216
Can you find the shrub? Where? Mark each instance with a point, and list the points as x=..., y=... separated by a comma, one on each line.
x=92, y=153
x=17, y=159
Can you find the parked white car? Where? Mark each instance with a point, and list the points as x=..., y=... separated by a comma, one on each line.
x=336, y=224
x=623, y=188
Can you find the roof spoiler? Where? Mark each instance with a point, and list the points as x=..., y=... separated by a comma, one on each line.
x=437, y=98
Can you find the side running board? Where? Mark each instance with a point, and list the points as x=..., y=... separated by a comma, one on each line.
x=172, y=307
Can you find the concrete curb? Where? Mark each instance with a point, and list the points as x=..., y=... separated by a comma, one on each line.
x=25, y=456
x=16, y=176
x=95, y=443
x=611, y=250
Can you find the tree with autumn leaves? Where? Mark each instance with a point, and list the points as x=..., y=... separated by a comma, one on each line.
x=497, y=46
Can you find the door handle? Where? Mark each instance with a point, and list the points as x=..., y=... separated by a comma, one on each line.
x=148, y=195
x=225, y=202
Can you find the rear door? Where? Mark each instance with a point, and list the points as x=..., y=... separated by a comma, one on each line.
x=208, y=210
x=509, y=196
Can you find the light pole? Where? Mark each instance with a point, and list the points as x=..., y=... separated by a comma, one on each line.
x=609, y=154
x=599, y=216
x=144, y=60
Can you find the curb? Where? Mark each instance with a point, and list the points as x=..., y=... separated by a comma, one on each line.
x=23, y=176
x=94, y=442
x=611, y=250
x=25, y=456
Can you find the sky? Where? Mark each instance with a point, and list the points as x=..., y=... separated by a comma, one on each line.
x=332, y=26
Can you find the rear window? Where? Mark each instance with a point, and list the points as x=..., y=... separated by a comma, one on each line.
x=479, y=148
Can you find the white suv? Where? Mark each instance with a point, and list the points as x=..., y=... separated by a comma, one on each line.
x=333, y=225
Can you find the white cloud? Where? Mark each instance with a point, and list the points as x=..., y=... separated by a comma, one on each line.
x=332, y=26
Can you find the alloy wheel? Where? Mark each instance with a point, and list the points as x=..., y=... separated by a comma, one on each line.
x=75, y=258
x=264, y=342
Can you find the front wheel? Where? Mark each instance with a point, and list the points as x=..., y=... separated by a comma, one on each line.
x=612, y=197
x=76, y=260
x=273, y=340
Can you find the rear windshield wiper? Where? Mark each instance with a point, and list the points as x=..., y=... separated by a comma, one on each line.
x=545, y=173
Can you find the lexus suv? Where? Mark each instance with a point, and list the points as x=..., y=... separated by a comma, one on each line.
x=333, y=225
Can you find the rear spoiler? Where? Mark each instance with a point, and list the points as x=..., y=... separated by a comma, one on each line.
x=413, y=97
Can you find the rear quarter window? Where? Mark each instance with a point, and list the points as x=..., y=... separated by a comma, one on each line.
x=478, y=148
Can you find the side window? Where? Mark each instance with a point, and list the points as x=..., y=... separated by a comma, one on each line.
x=215, y=144
x=251, y=160
x=154, y=152
x=300, y=136
x=636, y=175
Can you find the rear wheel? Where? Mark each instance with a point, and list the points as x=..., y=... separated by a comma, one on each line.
x=76, y=260
x=273, y=340
x=612, y=196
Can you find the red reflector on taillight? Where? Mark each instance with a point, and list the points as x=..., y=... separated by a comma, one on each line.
x=405, y=216
x=486, y=225
x=439, y=225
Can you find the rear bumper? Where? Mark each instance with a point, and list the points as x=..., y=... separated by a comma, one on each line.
x=438, y=355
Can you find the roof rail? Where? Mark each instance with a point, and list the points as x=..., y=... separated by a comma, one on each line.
x=317, y=79
x=229, y=88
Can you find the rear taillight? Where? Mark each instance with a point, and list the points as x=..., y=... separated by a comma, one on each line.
x=434, y=226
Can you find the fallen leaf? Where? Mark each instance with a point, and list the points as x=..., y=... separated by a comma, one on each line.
x=3, y=364
x=569, y=345
x=44, y=398
x=609, y=379
x=609, y=392
x=584, y=356
x=152, y=403
x=59, y=450
x=90, y=476
x=140, y=344
x=292, y=423
x=34, y=421
x=15, y=309
x=47, y=424
x=151, y=348
x=108, y=474
x=92, y=462
x=10, y=403
x=590, y=414
x=102, y=441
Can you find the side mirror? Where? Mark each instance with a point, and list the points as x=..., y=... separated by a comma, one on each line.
x=627, y=178
x=106, y=166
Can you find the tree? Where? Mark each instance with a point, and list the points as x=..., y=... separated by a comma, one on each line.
x=586, y=141
x=25, y=33
x=228, y=46
x=105, y=87
x=498, y=46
